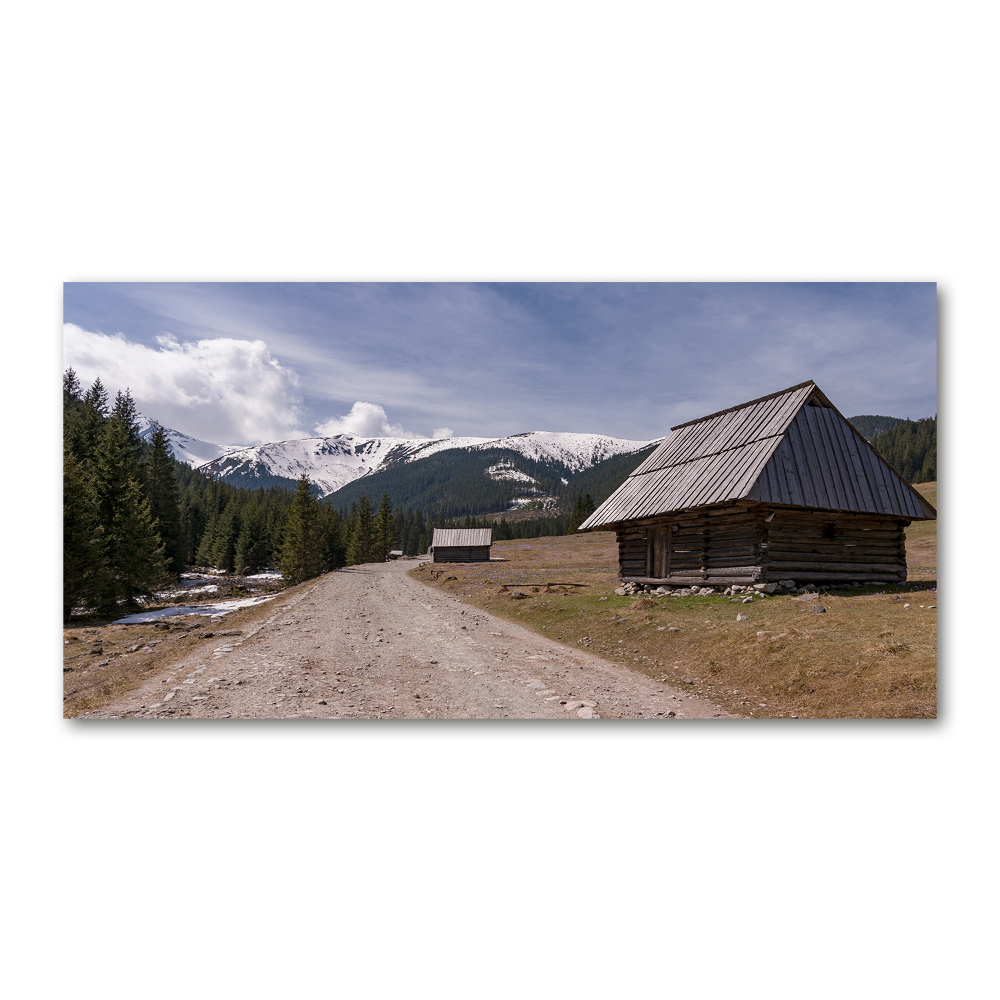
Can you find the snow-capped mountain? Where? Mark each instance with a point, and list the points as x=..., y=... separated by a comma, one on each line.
x=333, y=462
x=185, y=448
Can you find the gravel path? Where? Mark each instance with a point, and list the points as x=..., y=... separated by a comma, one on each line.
x=370, y=642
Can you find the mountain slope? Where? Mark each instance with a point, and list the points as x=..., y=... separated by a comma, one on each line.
x=186, y=449
x=490, y=480
x=333, y=463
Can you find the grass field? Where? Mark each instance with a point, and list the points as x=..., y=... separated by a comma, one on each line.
x=868, y=656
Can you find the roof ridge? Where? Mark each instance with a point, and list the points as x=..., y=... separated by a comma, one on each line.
x=749, y=402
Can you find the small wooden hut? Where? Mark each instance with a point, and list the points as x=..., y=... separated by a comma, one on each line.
x=462, y=544
x=782, y=487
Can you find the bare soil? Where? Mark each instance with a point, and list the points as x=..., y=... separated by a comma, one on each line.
x=371, y=642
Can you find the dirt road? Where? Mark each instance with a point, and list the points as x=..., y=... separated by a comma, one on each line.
x=370, y=642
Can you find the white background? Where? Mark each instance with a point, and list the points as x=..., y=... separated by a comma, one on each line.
x=203, y=141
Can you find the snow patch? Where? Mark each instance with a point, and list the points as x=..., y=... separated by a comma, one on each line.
x=506, y=470
x=209, y=610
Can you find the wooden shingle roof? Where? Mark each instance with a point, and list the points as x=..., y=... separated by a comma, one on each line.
x=791, y=448
x=461, y=537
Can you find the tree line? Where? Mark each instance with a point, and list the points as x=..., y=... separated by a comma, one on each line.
x=134, y=517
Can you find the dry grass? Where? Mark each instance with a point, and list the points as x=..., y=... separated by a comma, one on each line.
x=921, y=540
x=866, y=657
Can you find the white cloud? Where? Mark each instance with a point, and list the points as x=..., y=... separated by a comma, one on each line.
x=364, y=420
x=442, y=432
x=224, y=390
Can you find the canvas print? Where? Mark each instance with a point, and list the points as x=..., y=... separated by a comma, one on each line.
x=556, y=501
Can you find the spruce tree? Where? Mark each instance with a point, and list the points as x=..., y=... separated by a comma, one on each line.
x=361, y=546
x=335, y=547
x=125, y=413
x=83, y=542
x=385, y=530
x=164, y=498
x=302, y=551
x=133, y=549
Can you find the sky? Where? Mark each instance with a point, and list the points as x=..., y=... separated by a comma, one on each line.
x=254, y=362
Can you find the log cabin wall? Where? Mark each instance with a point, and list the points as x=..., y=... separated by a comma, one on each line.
x=813, y=547
x=715, y=545
x=478, y=553
x=737, y=544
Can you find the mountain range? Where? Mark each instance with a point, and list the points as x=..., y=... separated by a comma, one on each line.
x=535, y=468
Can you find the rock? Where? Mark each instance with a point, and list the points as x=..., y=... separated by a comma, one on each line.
x=67, y=670
x=906, y=605
x=670, y=715
x=804, y=598
x=741, y=618
x=759, y=586
x=322, y=701
x=229, y=631
x=602, y=598
x=736, y=588
x=516, y=595
x=769, y=588
x=787, y=584
x=673, y=628
x=573, y=706
x=811, y=588
x=706, y=591
x=818, y=609
x=747, y=600
x=585, y=713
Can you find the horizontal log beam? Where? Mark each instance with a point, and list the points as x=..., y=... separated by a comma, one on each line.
x=790, y=568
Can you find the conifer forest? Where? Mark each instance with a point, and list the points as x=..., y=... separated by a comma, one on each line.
x=134, y=517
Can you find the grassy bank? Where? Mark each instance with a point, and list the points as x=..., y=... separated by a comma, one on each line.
x=867, y=656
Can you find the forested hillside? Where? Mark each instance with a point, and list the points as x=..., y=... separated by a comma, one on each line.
x=869, y=425
x=455, y=484
x=911, y=449
x=909, y=446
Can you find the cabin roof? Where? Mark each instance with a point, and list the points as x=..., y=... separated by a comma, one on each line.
x=445, y=538
x=792, y=448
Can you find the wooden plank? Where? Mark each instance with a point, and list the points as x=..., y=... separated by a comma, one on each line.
x=849, y=475
x=834, y=459
x=825, y=460
x=784, y=566
x=800, y=458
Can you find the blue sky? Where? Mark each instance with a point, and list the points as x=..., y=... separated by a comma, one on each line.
x=243, y=363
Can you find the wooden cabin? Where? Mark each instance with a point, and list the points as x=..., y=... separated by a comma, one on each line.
x=462, y=544
x=782, y=487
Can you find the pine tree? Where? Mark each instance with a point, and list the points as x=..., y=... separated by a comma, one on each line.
x=335, y=548
x=302, y=552
x=125, y=413
x=133, y=549
x=85, y=423
x=164, y=498
x=385, y=530
x=361, y=544
x=83, y=542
